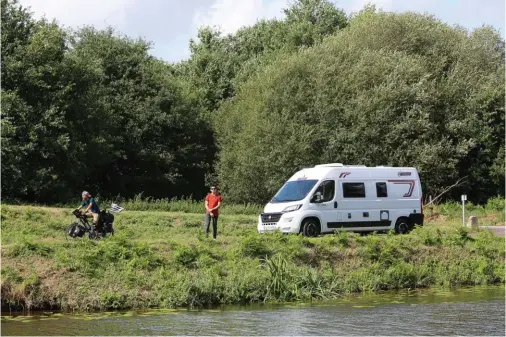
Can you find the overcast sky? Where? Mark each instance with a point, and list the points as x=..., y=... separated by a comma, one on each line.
x=170, y=24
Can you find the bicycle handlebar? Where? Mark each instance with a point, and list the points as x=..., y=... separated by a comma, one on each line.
x=78, y=214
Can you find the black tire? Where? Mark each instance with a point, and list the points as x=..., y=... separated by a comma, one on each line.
x=69, y=228
x=403, y=226
x=311, y=228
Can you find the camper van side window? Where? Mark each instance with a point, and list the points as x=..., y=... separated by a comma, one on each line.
x=326, y=191
x=353, y=190
x=381, y=190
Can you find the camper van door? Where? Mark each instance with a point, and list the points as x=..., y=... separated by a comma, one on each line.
x=323, y=200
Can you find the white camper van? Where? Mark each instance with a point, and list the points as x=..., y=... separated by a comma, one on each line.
x=331, y=197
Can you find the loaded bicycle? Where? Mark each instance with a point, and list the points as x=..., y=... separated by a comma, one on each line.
x=95, y=230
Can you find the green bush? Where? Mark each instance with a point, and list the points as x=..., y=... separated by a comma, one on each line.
x=27, y=248
x=254, y=246
x=496, y=205
x=11, y=275
x=429, y=237
x=343, y=238
x=459, y=237
x=112, y=300
x=187, y=256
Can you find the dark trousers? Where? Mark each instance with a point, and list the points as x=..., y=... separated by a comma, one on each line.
x=215, y=224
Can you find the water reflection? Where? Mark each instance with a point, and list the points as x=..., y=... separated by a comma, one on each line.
x=472, y=311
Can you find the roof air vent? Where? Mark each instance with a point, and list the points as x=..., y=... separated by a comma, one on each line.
x=330, y=165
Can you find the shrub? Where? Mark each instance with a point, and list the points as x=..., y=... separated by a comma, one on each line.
x=27, y=248
x=187, y=256
x=254, y=246
x=343, y=238
x=496, y=205
x=112, y=299
x=429, y=237
x=11, y=275
x=459, y=237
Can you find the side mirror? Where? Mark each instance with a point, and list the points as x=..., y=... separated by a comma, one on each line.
x=317, y=198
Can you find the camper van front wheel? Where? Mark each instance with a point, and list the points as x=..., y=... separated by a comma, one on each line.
x=311, y=228
x=403, y=226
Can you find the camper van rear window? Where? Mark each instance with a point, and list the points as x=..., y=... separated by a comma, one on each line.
x=353, y=190
x=404, y=174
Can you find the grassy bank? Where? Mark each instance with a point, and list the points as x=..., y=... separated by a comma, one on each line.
x=162, y=259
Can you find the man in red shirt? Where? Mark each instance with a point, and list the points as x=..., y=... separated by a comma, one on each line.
x=213, y=203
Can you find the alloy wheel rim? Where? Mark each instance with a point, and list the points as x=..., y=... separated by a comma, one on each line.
x=311, y=230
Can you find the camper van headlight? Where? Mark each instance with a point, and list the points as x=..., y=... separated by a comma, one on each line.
x=291, y=208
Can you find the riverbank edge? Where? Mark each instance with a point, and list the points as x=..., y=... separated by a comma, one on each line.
x=49, y=311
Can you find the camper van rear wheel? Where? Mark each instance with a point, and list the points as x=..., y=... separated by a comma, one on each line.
x=403, y=226
x=310, y=228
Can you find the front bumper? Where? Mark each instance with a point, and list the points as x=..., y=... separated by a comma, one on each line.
x=286, y=224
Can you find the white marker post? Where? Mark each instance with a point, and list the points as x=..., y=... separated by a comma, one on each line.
x=464, y=198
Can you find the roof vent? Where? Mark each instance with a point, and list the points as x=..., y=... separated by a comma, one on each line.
x=330, y=165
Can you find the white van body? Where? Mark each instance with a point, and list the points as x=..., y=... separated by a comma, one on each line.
x=334, y=197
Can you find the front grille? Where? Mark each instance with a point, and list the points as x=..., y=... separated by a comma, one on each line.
x=271, y=217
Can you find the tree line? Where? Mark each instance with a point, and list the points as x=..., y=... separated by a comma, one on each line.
x=92, y=109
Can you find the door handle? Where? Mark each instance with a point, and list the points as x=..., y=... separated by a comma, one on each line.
x=335, y=204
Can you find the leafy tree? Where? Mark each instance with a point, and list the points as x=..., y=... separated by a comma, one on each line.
x=391, y=89
x=216, y=60
x=35, y=95
x=219, y=64
x=90, y=109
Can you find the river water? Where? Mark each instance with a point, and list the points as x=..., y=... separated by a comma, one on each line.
x=467, y=311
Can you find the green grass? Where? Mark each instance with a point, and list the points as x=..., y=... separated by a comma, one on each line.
x=495, y=207
x=139, y=203
x=163, y=259
x=491, y=214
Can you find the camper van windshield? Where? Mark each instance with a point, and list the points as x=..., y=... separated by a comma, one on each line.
x=294, y=190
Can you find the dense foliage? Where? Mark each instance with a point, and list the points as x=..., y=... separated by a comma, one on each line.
x=391, y=89
x=91, y=109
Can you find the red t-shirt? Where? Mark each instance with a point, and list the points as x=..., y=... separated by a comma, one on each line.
x=212, y=202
